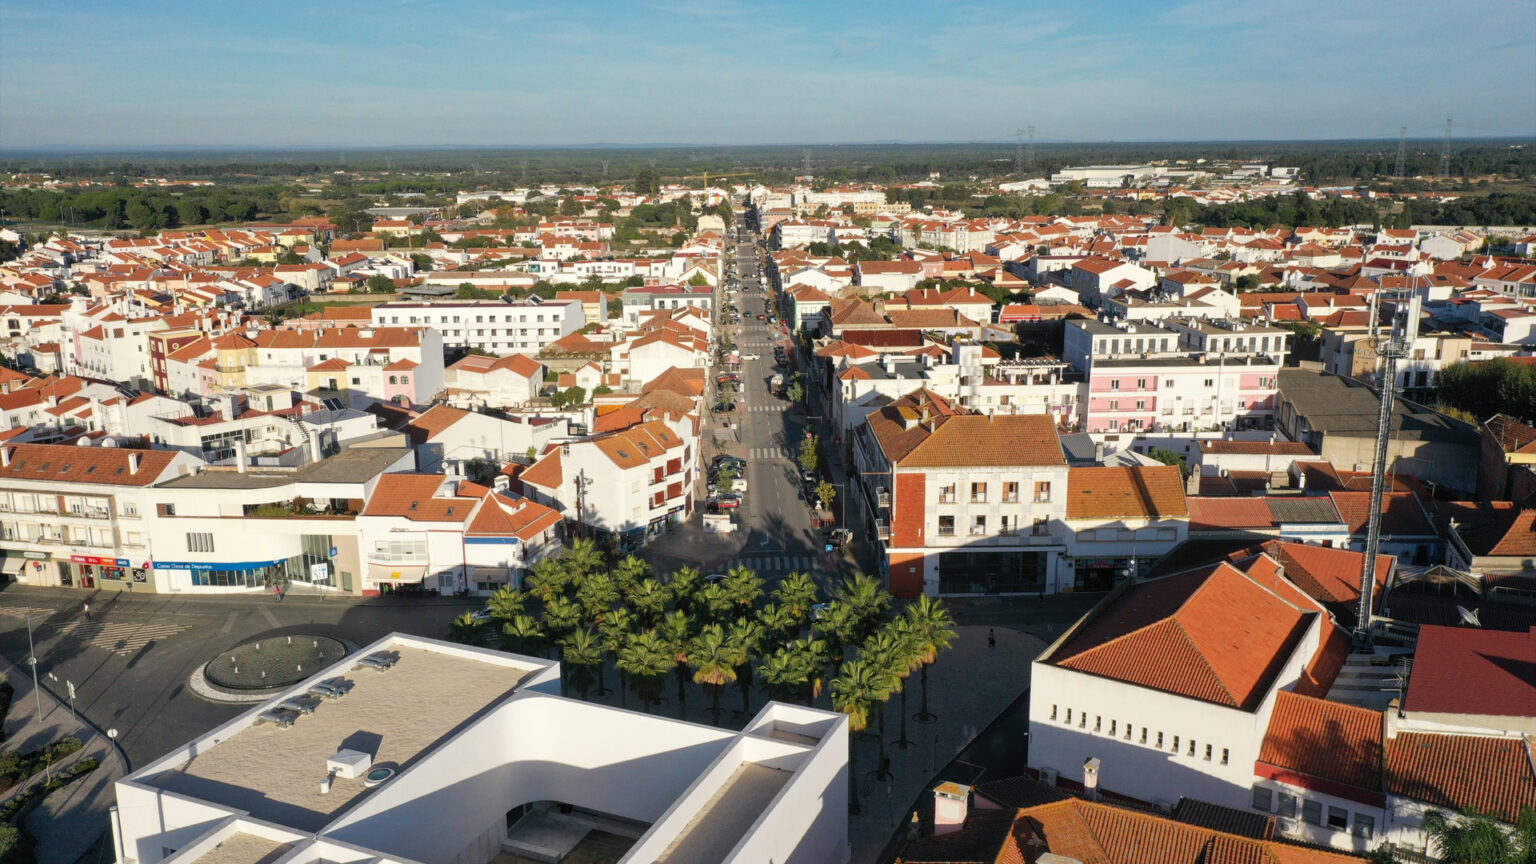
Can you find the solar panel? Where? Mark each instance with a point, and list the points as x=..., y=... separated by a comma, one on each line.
x=331, y=403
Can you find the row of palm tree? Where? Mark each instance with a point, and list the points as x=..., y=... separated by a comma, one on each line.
x=716, y=633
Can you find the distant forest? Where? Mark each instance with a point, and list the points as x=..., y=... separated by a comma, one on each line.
x=342, y=184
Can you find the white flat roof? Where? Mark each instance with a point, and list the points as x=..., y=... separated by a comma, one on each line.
x=243, y=848
x=274, y=773
x=716, y=829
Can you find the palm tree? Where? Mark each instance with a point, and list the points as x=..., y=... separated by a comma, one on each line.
x=797, y=593
x=1477, y=838
x=614, y=629
x=743, y=586
x=677, y=631
x=712, y=602
x=746, y=640
x=596, y=594
x=467, y=630
x=650, y=598
x=713, y=659
x=899, y=649
x=506, y=603
x=839, y=626
x=684, y=581
x=891, y=652
x=582, y=557
x=646, y=659
x=935, y=631
x=547, y=579
x=868, y=604
x=523, y=635
x=778, y=623
x=629, y=571
x=582, y=650
x=857, y=688
x=561, y=616
x=783, y=674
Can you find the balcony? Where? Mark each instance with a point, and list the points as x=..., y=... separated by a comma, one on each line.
x=883, y=529
x=883, y=498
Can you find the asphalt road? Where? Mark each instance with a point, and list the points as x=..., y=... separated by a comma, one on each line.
x=130, y=663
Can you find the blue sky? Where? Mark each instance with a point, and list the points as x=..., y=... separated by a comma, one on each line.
x=431, y=72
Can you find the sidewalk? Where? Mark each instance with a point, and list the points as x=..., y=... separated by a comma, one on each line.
x=69, y=821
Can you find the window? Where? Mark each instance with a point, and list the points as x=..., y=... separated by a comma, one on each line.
x=1041, y=527
x=1114, y=383
x=1209, y=383
x=1261, y=798
x=1191, y=753
x=1141, y=404
x=1114, y=404
x=1111, y=728
x=978, y=525
x=1143, y=734
x=1002, y=525
x=1338, y=818
x=1159, y=740
x=946, y=525
x=1365, y=826
x=1069, y=715
x=1010, y=492
x=978, y=493
x=1175, y=745
x=1207, y=752
x=947, y=494
x=1312, y=812
x=199, y=541
x=1287, y=806
x=1098, y=722
x=1082, y=719
x=1167, y=382
x=1224, y=755
x=1042, y=491
x=1053, y=712
x=1141, y=383
x=1128, y=729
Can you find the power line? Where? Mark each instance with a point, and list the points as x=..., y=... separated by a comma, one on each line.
x=1029, y=156
x=1402, y=144
x=1018, y=154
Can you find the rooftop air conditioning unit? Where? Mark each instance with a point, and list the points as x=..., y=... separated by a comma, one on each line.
x=1048, y=776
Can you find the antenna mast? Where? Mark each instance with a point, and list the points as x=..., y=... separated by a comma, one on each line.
x=1395, y=346
x=1445, y=152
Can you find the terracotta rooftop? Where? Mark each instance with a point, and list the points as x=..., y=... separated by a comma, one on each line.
x=1213, y=634
x=1140, y=492
x=1330, y=741
x=1494, y=775
x=72, y=464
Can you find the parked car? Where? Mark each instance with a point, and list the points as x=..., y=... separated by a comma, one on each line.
x=751, y=357
x=724, y=408
x=725, y=502
x=722, y=458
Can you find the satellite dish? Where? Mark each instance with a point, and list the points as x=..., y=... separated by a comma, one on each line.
x=1468, y=618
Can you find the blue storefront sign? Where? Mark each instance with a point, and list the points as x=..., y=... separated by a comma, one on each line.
x=203, y=566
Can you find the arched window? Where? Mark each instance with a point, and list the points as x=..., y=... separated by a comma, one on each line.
x=392, y=380
x=405, y=379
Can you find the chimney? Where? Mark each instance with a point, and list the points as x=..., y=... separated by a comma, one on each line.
x=1098, y=452
x=1091, y=777
x=314, y=444
x=133, y=462
x=5, y=457
x=240, y=456
x=951, y=802
x=500, y=483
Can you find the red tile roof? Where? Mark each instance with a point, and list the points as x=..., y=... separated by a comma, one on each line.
x=1140, y=492
x=1494, y=775
x=71, y=464
x=1330, y=741
x=412, y=496
x=1401, y=513
x=1213, y=634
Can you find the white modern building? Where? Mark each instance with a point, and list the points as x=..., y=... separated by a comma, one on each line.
x=444, y=754
x=501, y=328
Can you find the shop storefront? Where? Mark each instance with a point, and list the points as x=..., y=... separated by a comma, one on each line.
x=1099, y=574
x=212, y=576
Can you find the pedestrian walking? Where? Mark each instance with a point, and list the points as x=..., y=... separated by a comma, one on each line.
x=991, y=638
x=277, y=591
x=87, y=608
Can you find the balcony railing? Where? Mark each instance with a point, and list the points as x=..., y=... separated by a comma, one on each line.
x=883, y=529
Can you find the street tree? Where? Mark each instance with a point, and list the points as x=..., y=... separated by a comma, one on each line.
x=934, y=629
x=646, y=659
x=713, y=660
x=677, y=631
x=810, y=453
x=746, y=638
x=467, y=630
x=1477, y=838
x=614, y=631
x=582, y=650
x=826, y=493
x=857, y=689
x=523, y=635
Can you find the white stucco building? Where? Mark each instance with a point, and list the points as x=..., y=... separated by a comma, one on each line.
x=486, y=757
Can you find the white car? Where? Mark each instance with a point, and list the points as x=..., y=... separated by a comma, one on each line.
x=751, y=357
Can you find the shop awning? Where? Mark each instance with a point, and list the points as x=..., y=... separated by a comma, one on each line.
x=11, y=563
x=395, y=574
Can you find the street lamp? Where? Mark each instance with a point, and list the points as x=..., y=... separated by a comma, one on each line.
x=32, y=661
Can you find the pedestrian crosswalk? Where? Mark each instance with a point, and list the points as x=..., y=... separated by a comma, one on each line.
x=766, y=453
x=767, y=564
x=760, y=409
x=119, y=638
